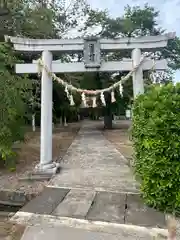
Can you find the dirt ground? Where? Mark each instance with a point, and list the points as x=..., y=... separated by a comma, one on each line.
x=10, y=231
x=28, y=157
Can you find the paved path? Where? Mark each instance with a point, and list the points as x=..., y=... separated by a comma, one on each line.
x=93, y=163
x=95, y=184
x=67, y=233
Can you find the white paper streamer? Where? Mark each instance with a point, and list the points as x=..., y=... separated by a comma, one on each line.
x=72, y=103
x=103, y=99
x=67, y=92
x=113, y=97
x=121, y=89
x=94, y=102
x=83, y=96
x=39, y=67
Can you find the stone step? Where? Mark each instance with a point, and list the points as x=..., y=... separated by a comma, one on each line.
x=108, y=207
x=90, y=206
x=46, y=202
x=124, y=209
x=137, y=213
x=95, y=206
x=67, y=233
x=76, y=204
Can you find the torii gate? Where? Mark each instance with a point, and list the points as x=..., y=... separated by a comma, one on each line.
x=92, y=48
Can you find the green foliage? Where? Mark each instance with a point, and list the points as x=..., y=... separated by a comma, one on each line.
x=45, y=27
x=156, y=136
x=136, y=21
x=172, y=52
x=140, y=21
x=13, y=91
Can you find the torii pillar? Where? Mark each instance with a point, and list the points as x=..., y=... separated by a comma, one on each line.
x=137, y=77
x=46, y=165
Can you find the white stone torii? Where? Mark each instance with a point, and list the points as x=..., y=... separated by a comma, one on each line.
x=48, y=46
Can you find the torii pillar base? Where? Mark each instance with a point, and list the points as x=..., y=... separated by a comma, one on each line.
x=47, y=169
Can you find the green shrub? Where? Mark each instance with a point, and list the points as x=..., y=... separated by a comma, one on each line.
x=156, y=136
x=13, y=96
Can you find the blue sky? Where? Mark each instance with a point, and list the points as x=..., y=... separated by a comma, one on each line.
x=169, y=13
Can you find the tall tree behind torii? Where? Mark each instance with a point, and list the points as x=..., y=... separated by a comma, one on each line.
x=135, y=22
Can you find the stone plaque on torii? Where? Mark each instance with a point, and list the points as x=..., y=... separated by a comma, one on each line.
x=91, y=47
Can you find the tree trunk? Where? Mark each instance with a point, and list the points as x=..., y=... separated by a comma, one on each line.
x=108, y=112
x=34, y=122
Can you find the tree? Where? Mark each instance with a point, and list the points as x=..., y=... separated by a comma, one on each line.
x=156, y=135
x=13, y=92
x=136, y=21
x=34, y=101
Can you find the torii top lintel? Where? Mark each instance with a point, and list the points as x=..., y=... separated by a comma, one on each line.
x=76, y=45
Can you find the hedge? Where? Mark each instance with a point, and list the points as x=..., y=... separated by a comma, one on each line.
x=156, y=137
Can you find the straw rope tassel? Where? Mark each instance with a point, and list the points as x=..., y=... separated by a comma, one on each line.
x=94, y=102
x=67, y=92
x=121, y=89
x=39, y=67
x=113, y=97
x=83, y=96
x=72, y=103
x=103, y=99
x=69, y=87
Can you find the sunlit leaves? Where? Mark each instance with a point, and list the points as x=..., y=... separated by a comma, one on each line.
x=156, y=136
x=13, y=91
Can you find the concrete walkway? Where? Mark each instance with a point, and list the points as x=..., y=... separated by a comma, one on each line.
x=93, y=163
x=95, y=194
